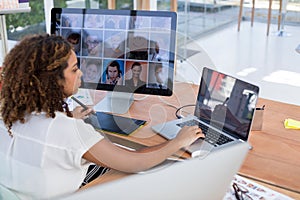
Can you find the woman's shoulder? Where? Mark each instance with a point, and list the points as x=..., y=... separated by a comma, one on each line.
x=62, y=121
x=73, y=128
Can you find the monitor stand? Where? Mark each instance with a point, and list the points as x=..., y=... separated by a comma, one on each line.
x=115, y=102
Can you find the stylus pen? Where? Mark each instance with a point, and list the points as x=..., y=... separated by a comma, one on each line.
x=82, y=105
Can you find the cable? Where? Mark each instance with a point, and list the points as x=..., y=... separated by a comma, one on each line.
x=173, y=106
x=178, y=109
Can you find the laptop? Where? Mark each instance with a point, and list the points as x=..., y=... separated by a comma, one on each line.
x=224, y=111
x=196, y=178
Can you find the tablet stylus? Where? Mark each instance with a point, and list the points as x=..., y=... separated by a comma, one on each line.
x=82, y=105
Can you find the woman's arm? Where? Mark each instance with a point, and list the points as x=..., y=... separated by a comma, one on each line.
x=107, y=154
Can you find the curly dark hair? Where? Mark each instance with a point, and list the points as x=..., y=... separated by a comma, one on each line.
x=31, y=74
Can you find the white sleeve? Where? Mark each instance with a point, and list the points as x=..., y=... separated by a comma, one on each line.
x=88, y=136
x=75, y=137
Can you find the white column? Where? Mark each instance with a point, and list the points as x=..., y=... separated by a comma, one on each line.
x=153, y=4
x=284, y=5
x=3, y=35
x=48, y=5
x=283, y=15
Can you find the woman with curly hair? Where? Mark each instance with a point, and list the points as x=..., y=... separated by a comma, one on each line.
x=45, y=152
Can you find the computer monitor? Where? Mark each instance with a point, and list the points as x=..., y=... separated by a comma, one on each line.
x=121, y=51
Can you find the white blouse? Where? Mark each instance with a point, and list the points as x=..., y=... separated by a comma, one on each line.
x=43, y=159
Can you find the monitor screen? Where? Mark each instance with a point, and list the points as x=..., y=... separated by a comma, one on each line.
x=121, y=50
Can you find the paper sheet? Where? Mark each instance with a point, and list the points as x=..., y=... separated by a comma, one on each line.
x=253, y=190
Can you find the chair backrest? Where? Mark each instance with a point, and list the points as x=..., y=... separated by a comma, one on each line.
x=7, y=194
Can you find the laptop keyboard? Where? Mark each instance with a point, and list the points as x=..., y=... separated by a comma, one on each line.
x=211, y=136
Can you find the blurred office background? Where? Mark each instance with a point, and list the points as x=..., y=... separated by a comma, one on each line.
x=207, y=35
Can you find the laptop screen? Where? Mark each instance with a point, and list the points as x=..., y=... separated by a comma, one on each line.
x=226, y=102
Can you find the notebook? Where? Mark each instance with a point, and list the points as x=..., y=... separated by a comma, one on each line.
x=224, y=111
x=198, y=178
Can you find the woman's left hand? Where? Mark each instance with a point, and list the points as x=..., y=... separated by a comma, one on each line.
x=78, y=112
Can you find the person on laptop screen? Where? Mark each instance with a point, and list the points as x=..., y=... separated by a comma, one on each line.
x=44, y=151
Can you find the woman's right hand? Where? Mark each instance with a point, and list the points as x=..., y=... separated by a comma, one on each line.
x=80, y=113
x=189, y=134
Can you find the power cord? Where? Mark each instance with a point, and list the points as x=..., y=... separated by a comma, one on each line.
x=178, y=109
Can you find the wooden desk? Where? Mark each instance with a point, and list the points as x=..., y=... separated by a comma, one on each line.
x=274, y=159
